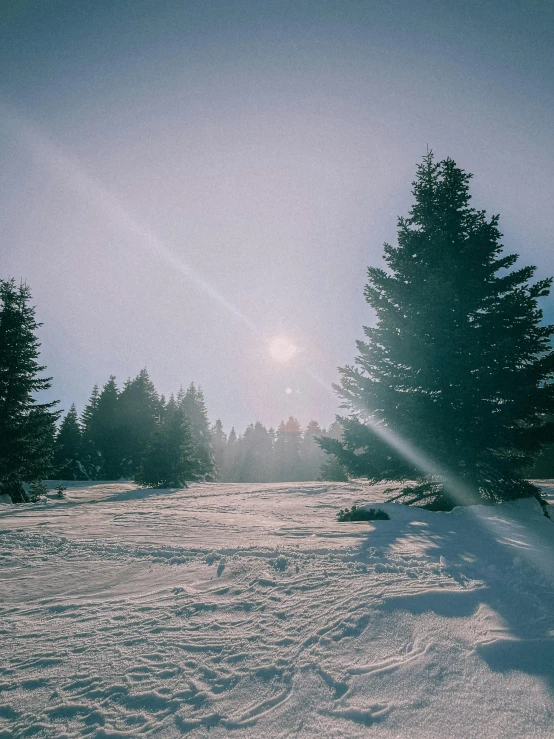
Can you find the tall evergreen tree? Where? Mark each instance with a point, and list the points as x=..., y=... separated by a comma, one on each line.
x=91, y=453
x=106, y=437
x=229, y=473
x=68, y=449
x=287, y=451
x=26, y=427
x=169, y=460
x=254, y=458
x=311, y=454
x=194, y=406
x=454, y=382
x=219, y=444
x=138, y=410
x=332, y=469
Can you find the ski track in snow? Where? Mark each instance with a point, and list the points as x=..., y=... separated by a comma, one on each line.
x=247, y=610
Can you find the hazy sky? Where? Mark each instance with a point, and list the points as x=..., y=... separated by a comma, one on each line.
x=183, y=181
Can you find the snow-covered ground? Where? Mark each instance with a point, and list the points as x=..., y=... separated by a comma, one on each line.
x=248, y=611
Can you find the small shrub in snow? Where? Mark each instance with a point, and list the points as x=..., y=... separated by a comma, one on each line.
x=37, y=492
x=361, y=514
x=60, y=491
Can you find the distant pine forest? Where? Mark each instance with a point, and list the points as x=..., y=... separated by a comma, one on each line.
x=116, y=434
x=113, y=437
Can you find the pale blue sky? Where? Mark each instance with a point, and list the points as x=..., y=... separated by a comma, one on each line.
x=181, y=181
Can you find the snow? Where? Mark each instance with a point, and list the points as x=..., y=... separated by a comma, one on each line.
x=247, y=610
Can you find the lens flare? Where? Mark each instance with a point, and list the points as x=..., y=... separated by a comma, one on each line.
x=282, y=349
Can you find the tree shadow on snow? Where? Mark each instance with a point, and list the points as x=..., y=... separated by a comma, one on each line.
x=140, y=494
x=514, y=559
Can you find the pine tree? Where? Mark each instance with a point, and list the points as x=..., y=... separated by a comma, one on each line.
x=219, y=444
x=26, y=427
x=91, y=454
x=106, y=437
x=229, y=473
x=254, y=455
x=169, y=460
x=194, y=407
x=453, y=383
x=138, y=410
x=68, y=449
x=311, y=454
x=287, y=451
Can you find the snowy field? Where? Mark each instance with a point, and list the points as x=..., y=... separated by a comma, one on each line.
x=248, y=611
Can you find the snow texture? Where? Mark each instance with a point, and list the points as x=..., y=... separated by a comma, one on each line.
x=248, y=611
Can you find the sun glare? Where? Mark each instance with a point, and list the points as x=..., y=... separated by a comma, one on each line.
x=282, y=349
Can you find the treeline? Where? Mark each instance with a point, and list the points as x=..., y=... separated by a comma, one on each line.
x=135, y=433
x=130, y=432
x=285, y=454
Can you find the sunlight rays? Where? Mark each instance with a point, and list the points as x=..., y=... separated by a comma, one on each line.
x=67, y=168
x=281, y=348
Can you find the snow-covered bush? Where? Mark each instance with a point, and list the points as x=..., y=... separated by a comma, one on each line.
x=361, y=514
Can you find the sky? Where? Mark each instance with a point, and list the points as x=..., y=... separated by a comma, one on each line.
x=183, y=181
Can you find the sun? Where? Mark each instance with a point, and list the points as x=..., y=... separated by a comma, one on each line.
x=282, y=349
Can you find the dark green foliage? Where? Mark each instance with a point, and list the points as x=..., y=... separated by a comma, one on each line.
x=138, y=411
x=37, y=492
x=106, y=435
x=101, y=434
x=89, y=429
x=169, y=460
x=68, y=449
x=26, y=426
x=543, y=465
x=193, y=404
x=121, y=430
x=361, y=514
x=333, y=471
x=452, y=385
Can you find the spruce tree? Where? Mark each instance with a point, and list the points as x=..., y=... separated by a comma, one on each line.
x=106, y=437
x=453, y=384
x=26, y=426
x=332, y=469
x=219, y=444
x=138, y=410
x=311, y=455
x=194, y=406
x=254, y=455
x=169, y=460
x=68, y=449
x=231, y=451
x=287, y=464
x=91, y=453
